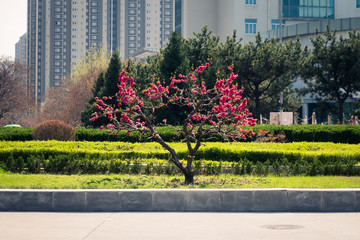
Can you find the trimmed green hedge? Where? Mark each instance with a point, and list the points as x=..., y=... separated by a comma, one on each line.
x=15, y=134
x=325, y=153
x=296, y=133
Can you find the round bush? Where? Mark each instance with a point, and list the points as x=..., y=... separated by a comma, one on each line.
x=54, y=130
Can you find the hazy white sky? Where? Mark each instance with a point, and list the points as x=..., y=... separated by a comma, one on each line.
x=13, y=21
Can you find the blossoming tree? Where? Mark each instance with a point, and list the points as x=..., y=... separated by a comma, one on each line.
x=220, y=110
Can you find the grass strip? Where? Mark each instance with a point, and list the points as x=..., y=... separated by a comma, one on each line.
x=46, y=181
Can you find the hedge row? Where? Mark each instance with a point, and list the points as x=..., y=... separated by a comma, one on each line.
x=296, y=133
x=63, y=164
x=326, y=153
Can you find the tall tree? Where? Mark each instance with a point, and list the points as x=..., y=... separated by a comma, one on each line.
x=13, y=91
x=173, y=62
x=105, y=85
x=75, y=90
x=204, y=48
x=174, y=59
x=266, y=69
x=86, y=115
x=332, y=72
x=112, y=75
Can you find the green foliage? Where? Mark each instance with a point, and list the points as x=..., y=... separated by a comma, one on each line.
x=15, y=134
x=54, y=130
x=174, y=59
x=266, y=68
x=149, y=158
x=112, y=75
x=332, y=72
x=105, y=85
x=275, y=133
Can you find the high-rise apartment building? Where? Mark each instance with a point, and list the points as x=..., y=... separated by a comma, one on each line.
x=20, y=50
x=60, y=32
x=145, y=26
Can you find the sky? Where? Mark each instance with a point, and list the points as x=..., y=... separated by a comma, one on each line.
x=13, y=21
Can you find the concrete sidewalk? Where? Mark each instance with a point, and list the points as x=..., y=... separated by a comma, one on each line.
x=173, y=226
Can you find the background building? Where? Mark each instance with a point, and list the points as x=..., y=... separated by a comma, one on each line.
x=248, y=17
x=299, y=18
x=20, y=50
x=60, y=32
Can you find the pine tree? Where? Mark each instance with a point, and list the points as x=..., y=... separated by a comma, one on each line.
x=112, y=75
x=174, y=62
x=90, y=107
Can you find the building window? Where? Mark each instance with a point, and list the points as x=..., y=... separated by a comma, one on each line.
x=94, y=17
x=308, y=9
x=94, y=10
x=57, y=3
x=57, y=9
x=94, y=4
x=358, y=3
x=276, y=24
x=250, y=26
x=253, y=2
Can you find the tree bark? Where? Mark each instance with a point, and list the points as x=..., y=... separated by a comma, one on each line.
x=189, y=177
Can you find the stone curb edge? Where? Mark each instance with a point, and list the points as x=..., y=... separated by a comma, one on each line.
x=182, y=200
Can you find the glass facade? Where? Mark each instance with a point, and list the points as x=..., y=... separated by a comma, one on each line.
x=308, y=9
x=276, y=24
x=178, y=17
x=358, y=3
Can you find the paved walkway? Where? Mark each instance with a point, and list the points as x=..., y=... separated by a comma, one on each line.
x=169, y=226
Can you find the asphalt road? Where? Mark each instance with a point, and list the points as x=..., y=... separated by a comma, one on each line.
x=169, y=226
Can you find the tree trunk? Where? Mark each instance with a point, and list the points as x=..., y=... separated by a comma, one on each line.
x=189, y=178
x=341, y=111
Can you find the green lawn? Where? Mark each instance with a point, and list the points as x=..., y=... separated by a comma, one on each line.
x=30, y=181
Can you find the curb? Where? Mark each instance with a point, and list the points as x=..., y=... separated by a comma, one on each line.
x=182, y=200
